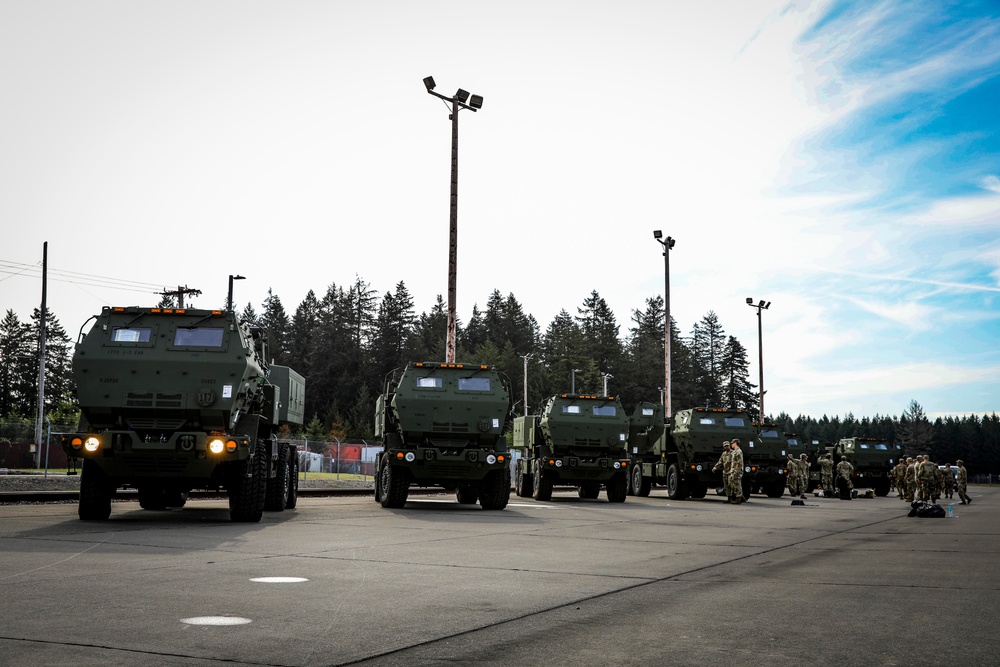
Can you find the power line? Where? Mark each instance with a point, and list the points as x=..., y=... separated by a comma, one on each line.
x=78, y=278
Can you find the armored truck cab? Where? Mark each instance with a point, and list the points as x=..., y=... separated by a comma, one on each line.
x=577, y=440
x=691, y=445
x=178, y=399
x=872, y=459
x=644, y=430
x=443, y=425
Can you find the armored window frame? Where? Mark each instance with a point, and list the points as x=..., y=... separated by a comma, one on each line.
x=475, y=384
x=428, y=382
x=706, y=421
x=882, y=447
x=604, y=410
x=648, y=412
x=202, y=338
x=735, y=421
x=769, y=433
x=144, y=335
x=572, y=410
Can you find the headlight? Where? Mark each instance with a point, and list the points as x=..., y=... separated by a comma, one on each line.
x=698, y=467
x=559, y=463
x=491, y=459
x=410, y=457
x=747, y=469
x=91, y=444
x=617, y=465
x=216, y=445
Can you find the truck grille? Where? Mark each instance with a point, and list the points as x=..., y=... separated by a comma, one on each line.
x=153, y=400
x=450, y=427
x=152, y=466
x=156, y=424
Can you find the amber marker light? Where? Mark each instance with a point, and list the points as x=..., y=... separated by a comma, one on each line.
x=231, y=446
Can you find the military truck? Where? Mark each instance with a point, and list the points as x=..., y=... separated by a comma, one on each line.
x=872, y=459
x=577, y=440
x=645, y=428
x=682, y=457
x=442, y=425
x=175, y=399
x=768, y=457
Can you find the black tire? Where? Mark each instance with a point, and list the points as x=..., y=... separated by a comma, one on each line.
x=541, y=487
x=95, y=493
x=467, y=494
x=494, y=492
x=589, y=490
x=152, y=498
x=616, y=488
x=697, y=489
x=378, y=479
x=776, y=489
x=745, y=485
x=277, y=486
x=676, y=487
x=248, y=486
x=395, y=486
x=174, y=498
x=293, y=488
x=640, y=484
x=882, y=487
x=522, y=483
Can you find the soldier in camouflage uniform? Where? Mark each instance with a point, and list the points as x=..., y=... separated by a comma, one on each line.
x=911, y=480
x=826, y=476
x=926, y=479
x=947, y=482
x=724, y=463
x=736, y=473
x=899, y=475
x=803, y=475
x=938, y=483
x=793, y=476
x=962, y=482
x=844, y=472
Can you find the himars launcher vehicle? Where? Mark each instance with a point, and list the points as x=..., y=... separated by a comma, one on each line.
x=173, y=400
x=682, y=456
x=443, y=425
x=577, y=440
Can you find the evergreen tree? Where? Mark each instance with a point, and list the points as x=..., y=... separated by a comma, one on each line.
x=393, y=329
x=249, y=316
x=301, y=335
x=59, y=386
x=737, y=392
x=275, y=320
x=17, y=360
x=430, y=334
x=914, y=431
x=601, y=346
x=707, y=343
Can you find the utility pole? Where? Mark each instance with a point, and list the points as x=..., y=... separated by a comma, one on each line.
x=41, y=356
x=526, y=357
x=181, y=291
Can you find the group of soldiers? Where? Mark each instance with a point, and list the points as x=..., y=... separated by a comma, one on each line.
x=921, y=479
x=798, y=475
x=731, y=463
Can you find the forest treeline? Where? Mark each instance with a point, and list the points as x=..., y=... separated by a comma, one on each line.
x=348, y=340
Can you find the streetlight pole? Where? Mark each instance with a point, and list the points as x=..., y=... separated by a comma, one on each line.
x=572, y=380
x=229, y=297
x=761, y=306
x=458, y=101
x=606, y=376
x=667, y=244
x=526, y=357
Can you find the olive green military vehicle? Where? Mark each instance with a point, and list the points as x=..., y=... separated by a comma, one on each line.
x=767, y=460
x=173, y=400
x=645, y=428
x=872, y=459
x=443, y=425
x=577, y=440
x=682, y=457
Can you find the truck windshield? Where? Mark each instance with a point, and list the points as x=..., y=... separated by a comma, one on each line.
x=605, y=411
x=571, y=409
x=706, y=421
x=769, y=434
x=647, y=412
x=474, y=384
x=199, y=337
x=429, y=383
x=735, y=421
x=130, y=334
x=882, y=447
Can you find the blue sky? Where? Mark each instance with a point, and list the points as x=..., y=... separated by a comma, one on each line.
x=838, y=159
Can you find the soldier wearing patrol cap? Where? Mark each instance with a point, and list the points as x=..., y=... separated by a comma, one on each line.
x=724, y=463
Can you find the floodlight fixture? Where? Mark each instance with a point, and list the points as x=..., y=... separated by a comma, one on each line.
x=657, y=234
x=462, y=96
x=667, y=244
x=476, y=101
x=749, y=300
x=429, y=83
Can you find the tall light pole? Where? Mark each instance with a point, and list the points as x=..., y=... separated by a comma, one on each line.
x=572, y=380
x=761, y=306
x=229, y=294
x=526, y=357
x=667, y=244
x=458, y=101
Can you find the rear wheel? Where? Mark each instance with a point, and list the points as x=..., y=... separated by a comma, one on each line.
x=640, y=484
x=616, y=488
x=494, y=492
x=589, y=490
x=95, y=493
x=395, y=486
x=293, y=488
x=676, y=487
x=247, y=486
x=775, y=489
x=541, y=484
x=152, y=498
x=522, y=482
x=698, y=489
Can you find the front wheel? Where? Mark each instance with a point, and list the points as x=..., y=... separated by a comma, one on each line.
x=676, y=487
x=95, y=493
x=541, y=484
x=277, y=487
x=494, y=492
x=395, y=486
x=247, y=486
x=617, y=488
